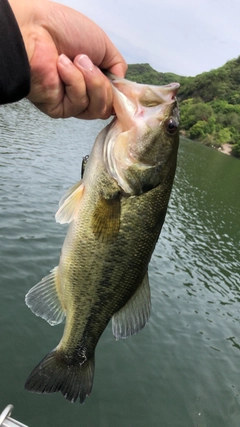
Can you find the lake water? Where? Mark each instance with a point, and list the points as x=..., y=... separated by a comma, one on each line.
x=183, y=369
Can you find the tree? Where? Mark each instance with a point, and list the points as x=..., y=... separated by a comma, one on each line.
x=236, y=150
x=198, y=131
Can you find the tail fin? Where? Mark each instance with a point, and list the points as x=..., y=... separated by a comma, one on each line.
x=55, y=373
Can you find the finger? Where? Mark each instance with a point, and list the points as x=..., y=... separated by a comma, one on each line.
x=88, y=37
x=98, y=88
x=118, y=70
x=113, y=60
x=47, y=89
x=75, y=99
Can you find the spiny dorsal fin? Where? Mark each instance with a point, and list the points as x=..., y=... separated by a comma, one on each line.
x=106, y=218
x=134, y=315
x=43, y=299
x=69, y=204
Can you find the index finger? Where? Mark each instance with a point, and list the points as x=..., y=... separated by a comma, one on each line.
x=113, y=61
x=119, y=70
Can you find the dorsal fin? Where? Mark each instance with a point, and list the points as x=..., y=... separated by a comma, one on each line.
x=43, y=299
x=69, y=204
x=134, y=315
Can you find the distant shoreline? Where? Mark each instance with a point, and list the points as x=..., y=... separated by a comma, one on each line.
x=224, y=148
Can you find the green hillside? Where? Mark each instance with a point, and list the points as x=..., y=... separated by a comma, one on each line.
x=144, y=73
x=209, y=102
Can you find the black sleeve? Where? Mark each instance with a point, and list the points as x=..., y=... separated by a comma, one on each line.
x=14, y=65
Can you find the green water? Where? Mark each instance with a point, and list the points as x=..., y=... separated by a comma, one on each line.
x=183, y=369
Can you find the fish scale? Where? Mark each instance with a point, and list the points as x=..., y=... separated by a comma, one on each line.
x=116, y=213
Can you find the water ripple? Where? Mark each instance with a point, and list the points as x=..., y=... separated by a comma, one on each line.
x=183, y=368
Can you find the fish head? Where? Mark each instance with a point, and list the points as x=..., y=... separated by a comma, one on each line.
x=142, y=142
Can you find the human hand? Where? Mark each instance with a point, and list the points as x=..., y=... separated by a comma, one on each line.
x=66, y=51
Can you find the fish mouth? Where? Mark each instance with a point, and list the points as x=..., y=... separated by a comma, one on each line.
x=174, y=87
x=141, y=111
x=146, y=93
x=136, y=103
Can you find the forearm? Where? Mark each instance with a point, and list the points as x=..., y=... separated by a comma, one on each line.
x=14, y=64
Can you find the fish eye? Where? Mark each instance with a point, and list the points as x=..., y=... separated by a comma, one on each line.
x=171, y=126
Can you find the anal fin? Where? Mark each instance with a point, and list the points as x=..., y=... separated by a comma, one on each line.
x=43, y=299
x=134, y=315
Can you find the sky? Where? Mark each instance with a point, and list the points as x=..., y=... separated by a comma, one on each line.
x=186, y=37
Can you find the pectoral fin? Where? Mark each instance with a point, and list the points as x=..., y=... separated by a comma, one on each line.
x=69, y=192
x=134, y=315
x=106, y=218
x=43, y=299
x=69, y=204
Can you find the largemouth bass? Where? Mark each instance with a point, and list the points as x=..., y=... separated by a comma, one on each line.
x=116, y=213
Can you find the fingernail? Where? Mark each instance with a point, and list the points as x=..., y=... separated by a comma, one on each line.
x=85, y=62
x=64, y=60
